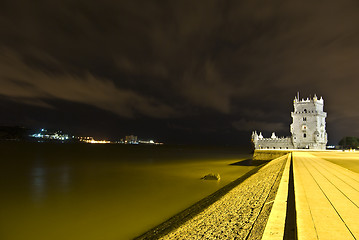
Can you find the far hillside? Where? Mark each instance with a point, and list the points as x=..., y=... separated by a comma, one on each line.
x=13, y=133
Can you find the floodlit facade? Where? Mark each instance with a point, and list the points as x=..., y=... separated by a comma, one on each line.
x=308, y=128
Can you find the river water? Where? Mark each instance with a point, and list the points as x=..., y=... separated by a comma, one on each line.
x=86, y=191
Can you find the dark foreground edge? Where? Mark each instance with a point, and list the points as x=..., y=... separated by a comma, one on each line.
x=290, y=230
x=190, y=212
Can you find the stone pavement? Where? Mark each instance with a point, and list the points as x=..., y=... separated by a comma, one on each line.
x=326, y=198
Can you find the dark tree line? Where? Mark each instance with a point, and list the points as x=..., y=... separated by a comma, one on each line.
x=349, y=142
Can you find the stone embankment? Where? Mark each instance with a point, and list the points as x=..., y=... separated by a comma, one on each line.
x=264, y=154
x=241, y=213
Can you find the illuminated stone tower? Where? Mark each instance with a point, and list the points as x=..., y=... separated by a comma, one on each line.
x=308, y=127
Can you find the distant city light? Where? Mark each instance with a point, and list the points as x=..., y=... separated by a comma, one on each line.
x=92, y=140
x=100, y=141
x=46, y=135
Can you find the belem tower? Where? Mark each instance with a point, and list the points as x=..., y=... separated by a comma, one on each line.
x=308, y=128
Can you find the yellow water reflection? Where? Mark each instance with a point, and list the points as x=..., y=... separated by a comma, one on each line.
x=52, y=198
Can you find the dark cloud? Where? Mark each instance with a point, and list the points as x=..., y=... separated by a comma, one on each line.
x=34, y=87
x=244, y=125
x=234, y=60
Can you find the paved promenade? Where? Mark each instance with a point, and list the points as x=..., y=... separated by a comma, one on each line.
x=302, y=195
x=326, y=198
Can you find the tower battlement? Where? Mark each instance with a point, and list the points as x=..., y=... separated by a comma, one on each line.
x=313, y=100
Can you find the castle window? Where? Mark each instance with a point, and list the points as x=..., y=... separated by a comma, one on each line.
x=305, y=110
x=304, y=135
x=304, y=119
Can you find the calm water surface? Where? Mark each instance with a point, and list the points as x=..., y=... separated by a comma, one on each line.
x=80, y=191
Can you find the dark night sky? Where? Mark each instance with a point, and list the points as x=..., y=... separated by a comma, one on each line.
x=178, y=71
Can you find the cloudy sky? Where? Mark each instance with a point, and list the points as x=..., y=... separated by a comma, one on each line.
x=202, y=71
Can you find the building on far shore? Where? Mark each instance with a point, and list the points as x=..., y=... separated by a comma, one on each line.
x=308, y=128
x=131, y=139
